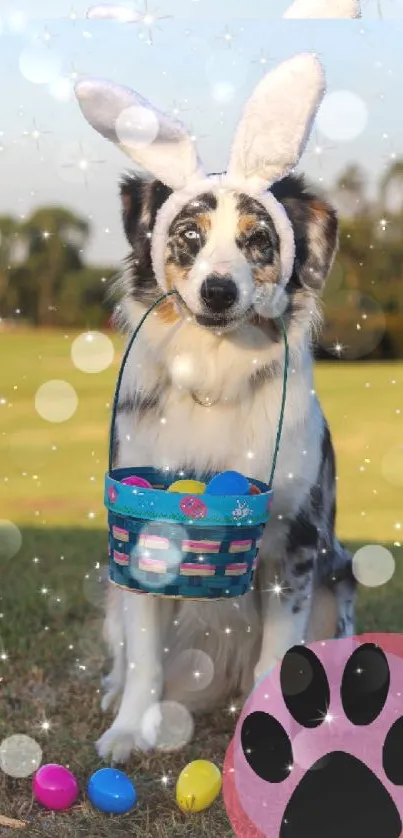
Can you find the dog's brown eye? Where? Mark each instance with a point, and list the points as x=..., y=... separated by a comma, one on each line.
x=259, y=239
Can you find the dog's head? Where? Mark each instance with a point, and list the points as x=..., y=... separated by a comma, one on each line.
x=222, y=251
x=231, y=246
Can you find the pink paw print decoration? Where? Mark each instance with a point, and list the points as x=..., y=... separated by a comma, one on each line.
x=318, y=748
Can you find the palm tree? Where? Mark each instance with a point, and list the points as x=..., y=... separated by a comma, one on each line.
x=10, y=238
x=55, y=238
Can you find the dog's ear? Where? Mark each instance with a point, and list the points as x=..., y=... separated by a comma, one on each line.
x=320, y=9
x=141, y=199
x=315, y=227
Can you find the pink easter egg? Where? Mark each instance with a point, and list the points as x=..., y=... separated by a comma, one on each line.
x=137, y=481
x=193, y=507
x=55, y=787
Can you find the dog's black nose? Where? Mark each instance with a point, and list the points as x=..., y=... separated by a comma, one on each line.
x=219, y=292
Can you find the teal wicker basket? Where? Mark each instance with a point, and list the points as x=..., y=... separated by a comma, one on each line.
x=185, y=546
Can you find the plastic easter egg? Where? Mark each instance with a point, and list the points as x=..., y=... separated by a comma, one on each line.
x=193, y=507
x=55, y=787
x=254, y=490
x=228, y=483
x=198, y=785
x=137, y=481
x=187, y=487
x=110, y=790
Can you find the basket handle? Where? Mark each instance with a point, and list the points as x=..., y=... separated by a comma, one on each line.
x=123, y=365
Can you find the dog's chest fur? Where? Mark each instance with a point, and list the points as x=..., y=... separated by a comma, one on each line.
x=161, y=424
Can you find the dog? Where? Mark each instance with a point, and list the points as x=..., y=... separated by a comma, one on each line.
x=202, y=391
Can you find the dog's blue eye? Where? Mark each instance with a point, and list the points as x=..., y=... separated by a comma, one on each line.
x=191, y=234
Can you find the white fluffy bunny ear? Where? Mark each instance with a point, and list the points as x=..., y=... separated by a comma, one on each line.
x=154, y=141
x=276, y=123
x=318, y=9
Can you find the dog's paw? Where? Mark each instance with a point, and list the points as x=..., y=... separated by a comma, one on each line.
x=318, y=747
x=112, y=691
x=119, y=742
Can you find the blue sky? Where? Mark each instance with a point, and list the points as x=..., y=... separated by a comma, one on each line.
x=190, y=67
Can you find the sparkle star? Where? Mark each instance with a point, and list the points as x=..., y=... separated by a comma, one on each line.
x=150, y=19
x=35, y=134
x=262, y=60
x=227, y=36
x=46, y=36
x=82, y=162
x=319, y=149
x=338, y=349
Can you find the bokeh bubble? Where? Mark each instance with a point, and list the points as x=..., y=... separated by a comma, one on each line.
x=342, y=116
x=225, y=68
x=144, y=558
x=17, y=22
x=136, y=126
x=61, y=89
x=113, y=12
x=193, y=668
x=40, y=64
x=10, y=539
x=56, y=401
x=373, y=565
x=92, y=352
x=335, y=279
x=354, y=321
x=270, y=302
x=223, y=92
x=392, y=466
x=175, y=727
x=94, y=585
x=20, y=755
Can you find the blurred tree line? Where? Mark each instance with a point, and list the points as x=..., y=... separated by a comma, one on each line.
x=45, y=281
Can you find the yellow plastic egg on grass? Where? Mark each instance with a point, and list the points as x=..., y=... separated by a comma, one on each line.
x=198, y=785
x=187, y=487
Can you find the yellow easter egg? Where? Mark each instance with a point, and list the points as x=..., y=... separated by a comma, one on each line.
x=198, y=785
x=187, y=487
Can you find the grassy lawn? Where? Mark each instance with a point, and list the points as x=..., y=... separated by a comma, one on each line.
x=51, y=486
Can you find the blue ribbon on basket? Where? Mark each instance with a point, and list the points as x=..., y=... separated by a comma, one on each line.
x=175, y=545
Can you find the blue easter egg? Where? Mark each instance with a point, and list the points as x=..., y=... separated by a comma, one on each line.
x=111, y=790
x=228, y=483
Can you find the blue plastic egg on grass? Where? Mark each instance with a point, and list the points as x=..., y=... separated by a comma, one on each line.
x=228, y=483
x=110, y=790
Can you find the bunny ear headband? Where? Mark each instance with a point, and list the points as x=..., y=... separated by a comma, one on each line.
x=300, y=9
x=319, y=9
x=269, y=141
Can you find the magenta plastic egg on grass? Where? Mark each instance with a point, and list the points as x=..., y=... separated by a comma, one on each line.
x=55, y=787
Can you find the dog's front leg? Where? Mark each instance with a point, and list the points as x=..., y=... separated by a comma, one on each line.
x=286, y=603
x=138, y=719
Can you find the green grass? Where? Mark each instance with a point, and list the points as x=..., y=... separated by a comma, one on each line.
x=51, y=486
